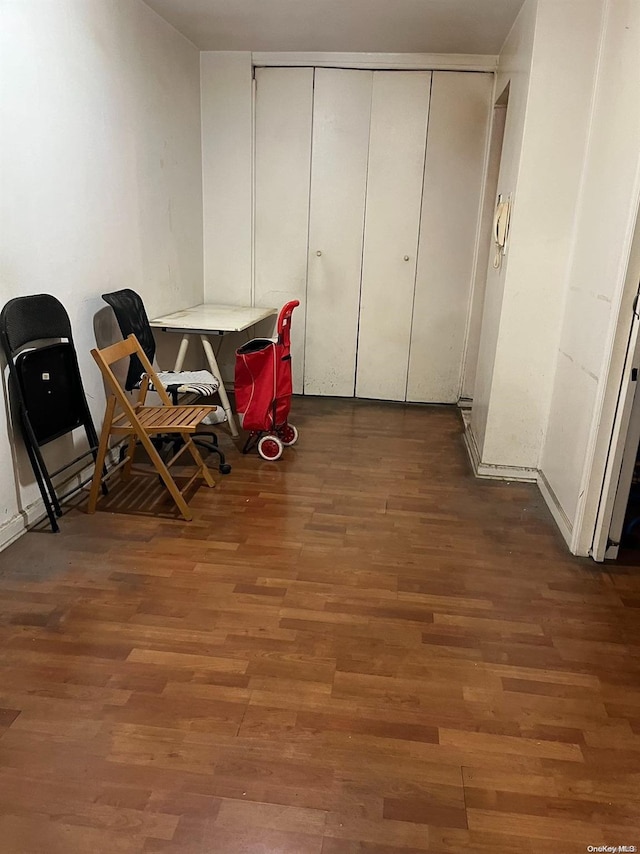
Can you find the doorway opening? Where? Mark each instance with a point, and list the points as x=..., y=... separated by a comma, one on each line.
x=617, y=530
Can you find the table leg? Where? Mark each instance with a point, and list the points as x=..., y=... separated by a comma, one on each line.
x=215, y=370
x=182, y=352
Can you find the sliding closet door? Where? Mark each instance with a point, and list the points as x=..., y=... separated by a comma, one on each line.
x=341, y=113
x=399, y=113
x=453, y=182
x=284, y=103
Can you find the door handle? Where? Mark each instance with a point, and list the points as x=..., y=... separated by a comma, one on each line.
x=318, y=253
x=406, y=257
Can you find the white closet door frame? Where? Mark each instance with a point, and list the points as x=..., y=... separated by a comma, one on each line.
x=459, y=115
x=622, y=454
x=378, y=61
x=283, y=127
x=399, y=117
x=341, y=119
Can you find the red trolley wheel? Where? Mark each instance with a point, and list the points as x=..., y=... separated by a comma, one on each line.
x=288, y=434
x=270, y=448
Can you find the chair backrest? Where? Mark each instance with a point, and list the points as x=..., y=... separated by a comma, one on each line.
x=32, y=318
x=132, y=348
x=45, y=377
x=132, y=319
x=51, y=390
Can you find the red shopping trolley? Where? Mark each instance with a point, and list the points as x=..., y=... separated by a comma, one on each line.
x=263, y=389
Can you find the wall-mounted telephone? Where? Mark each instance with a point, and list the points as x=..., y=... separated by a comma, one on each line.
x=501, y=228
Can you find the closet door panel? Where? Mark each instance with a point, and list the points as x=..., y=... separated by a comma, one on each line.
x=399, y=113
x=453, y=183
x=284, y=103
x=341, y=115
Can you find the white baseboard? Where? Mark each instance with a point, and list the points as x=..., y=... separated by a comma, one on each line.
x=559, y=516
x=13, y=529
x=35, y=512
x=525, y=475
x=491, y=472
x=470, y=440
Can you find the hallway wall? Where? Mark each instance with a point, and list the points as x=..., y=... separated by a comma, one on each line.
x=100, y=156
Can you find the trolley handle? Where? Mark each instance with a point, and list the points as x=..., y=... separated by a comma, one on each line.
x=284, y=322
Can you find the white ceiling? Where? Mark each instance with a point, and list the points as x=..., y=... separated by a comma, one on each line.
x=386, y=26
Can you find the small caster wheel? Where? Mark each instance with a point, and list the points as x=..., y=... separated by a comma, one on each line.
x=288, y=434
x=270, y=448
x=225, y=468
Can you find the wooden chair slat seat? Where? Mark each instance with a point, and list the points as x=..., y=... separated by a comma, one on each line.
x=141, y=422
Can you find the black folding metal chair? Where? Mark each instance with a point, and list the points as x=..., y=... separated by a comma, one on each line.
x=46, y=388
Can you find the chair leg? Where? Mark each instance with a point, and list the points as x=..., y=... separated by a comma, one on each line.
x=92, y=439
x=223, y=465
x=102, y=455
x=165, y=474
x=43, y=489
x=131, y=449
x=44, y=473
x=195, y=453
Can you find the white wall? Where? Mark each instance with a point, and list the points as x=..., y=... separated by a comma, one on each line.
x=226, y=79
x=605, y=221
x=543, y=154
x=100, y=164
x=514, y=71
x=227, y=133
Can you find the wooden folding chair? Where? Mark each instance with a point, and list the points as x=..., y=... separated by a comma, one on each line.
x=140, y=423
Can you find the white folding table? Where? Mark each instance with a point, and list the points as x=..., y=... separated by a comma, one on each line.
x=208, y=319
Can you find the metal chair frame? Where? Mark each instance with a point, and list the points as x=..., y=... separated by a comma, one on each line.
x=36, y=336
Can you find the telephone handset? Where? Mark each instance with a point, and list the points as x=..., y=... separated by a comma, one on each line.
x=501, y=228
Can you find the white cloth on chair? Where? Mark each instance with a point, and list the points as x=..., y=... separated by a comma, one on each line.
x=218, y=416
x=202, y=383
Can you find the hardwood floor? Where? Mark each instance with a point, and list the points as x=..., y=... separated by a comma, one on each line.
x=360, y=648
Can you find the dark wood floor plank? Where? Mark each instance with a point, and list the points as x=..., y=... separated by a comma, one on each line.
x=359, y=649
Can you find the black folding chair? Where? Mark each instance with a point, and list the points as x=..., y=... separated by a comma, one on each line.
x=45, y=388
x=132, y=319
